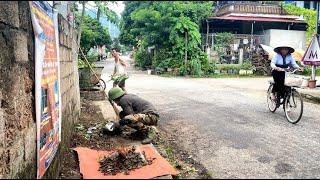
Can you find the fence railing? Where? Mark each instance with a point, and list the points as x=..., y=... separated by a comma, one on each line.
x=250, y=8
x=238, y=48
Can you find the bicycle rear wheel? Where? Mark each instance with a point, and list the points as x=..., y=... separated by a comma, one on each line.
x=272, y=105
x=293, y=107
x=101, y=85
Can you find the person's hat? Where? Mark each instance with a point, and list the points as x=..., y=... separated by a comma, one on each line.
x=115, y=93
x=277, y=49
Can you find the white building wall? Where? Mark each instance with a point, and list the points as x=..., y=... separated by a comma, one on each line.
x=300, y=3
x=293, y=38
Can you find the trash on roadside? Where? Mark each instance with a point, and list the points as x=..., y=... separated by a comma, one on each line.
x=111, y=128
x=90, y=130
x=89, y=164
x=123, y=160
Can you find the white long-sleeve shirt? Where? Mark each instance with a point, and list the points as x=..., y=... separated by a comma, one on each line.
x=277, y=59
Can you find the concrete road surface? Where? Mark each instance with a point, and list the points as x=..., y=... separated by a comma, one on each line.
x=226, y=125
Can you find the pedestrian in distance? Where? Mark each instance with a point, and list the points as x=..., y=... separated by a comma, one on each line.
x=120, y=70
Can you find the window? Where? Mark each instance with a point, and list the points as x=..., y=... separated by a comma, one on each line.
x=307, y=4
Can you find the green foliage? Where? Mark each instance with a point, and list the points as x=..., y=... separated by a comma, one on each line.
x=81, y=63
x=103, y=9
x=162, y=58
x=142, y=59
x=91, y=57
x=309, y=15
x=247, y=65
x=195, y=68
x=116, y=44
x=211, y=68
x=221, y=41
x=227, y=67
x=93, y=34
x=126, y=24
x=166, y=25
x=308, y=71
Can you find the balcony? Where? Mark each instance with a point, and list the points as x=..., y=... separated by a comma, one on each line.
x=250, y=8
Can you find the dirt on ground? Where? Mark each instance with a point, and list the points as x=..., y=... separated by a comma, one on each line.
x=88, y=133
x=91, y=120
x=170, y=149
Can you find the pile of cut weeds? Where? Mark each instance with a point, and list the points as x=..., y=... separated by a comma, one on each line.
x=123, y=161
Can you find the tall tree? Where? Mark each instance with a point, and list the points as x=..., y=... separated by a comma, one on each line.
x=172, y=27
x=81, y=21
x=103, y=9
x=94, y=34
x=126, y=37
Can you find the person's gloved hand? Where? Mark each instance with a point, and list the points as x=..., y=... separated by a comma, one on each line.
x=127, y=120
x=123, y=122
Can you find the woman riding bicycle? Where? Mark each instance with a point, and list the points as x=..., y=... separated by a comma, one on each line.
x=281, y=61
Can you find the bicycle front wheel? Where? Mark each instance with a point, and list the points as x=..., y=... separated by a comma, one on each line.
x=101, y=85
x=271, y=103
x=293, y=107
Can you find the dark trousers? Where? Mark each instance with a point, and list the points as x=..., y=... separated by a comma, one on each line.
x=279, y=77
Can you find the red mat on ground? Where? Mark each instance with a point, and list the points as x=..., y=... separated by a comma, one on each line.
x=89, y=165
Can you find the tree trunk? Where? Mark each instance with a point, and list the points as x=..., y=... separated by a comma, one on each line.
x=98, y=14
x=186, y=51
x=81, y=21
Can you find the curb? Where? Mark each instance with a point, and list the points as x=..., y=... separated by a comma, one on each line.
x=311, y=98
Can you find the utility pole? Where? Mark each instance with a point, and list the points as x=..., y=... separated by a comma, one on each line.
x=313, y=76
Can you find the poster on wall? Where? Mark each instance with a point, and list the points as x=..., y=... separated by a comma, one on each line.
x=47, y=83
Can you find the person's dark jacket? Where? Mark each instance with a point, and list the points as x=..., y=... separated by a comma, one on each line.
x=132, y=104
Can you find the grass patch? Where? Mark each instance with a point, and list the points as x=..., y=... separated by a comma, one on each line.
x=168, y=75
x=216, y=76
x=235, y=76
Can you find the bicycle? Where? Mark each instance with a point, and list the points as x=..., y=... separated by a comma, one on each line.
x=291, y=100
x=101, y=85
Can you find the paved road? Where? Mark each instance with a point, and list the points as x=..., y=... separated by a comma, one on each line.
x=226, y=125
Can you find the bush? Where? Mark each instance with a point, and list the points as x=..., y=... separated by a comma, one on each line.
x=228, y=67
x=308, y=71
x=195, y=67
x=246, y=65
x=142, y=59
x=212, y=68
x=206, y=66
x=91, y=57
x=309, y=15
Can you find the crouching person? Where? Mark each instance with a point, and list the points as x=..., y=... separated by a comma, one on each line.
x=136, y=113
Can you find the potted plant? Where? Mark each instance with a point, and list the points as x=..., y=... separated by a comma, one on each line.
x=312, y=83
x=86, y=78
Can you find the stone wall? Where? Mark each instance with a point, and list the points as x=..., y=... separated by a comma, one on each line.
x=17, y=107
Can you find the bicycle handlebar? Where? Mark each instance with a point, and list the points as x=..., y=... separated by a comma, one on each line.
x=288, y=70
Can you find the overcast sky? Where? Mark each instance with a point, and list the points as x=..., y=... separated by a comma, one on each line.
x=118, y=7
